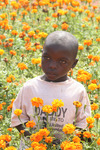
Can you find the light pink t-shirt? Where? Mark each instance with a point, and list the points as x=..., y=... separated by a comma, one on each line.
x=68, y=91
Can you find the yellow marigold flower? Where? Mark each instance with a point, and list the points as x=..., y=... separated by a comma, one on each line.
x=69, y=128
x=97, y=116
x=87, y=134
x=88, y=42
x=98, y=141
x=56, y=104
x=76, y=139
x=29, y=148
x=92, y=86
x=30, y=124
x=77, y=103
x=94, y=106
x=48, y=139
x=11, y=148
x=90, y=120
x=2, y=144
x=78, y=146
x=36, y=101
x=18, y=112
x=47, y=108
x=36, y=60
x=42, y=35
x=1, y=51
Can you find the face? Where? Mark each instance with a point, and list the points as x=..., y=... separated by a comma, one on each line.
x=56, y=62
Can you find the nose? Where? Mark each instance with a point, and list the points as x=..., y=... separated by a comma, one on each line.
x=53, y=65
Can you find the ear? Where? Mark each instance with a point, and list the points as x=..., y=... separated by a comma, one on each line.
x=75, y=62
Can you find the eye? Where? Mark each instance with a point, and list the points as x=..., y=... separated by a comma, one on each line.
x=46, y=57
x=63, y=61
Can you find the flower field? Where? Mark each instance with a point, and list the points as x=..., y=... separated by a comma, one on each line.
x=24, y=26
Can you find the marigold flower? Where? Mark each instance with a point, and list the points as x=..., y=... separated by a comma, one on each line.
x=14, y=32
x=48, y=139
x=30, y=124
x=22, y=66
x=36, y=60
x=90, y=120
x=37, y=137
x=87, y=134
x=1, y=51
x=11, y=148
x=9, y=129
x=80, y=47
x=88, y=42
x=64, y=26
x=92, y=86
x=47, y=109
x=96, y=58
x=94, y=106
x=12, y=52
x=34, y=144
x=2, y=144
x=22, y=131
x=77, y=103
x=55, y=26
x=44, y=132
x=90, y=126
x=98, y=141
x=0, y=106
x=73, y=15
x=36, y=101
x=10, y=79
x=1, y=117
x=69, y=128
x=76, y=139
x=97, y=116
x=18, y=112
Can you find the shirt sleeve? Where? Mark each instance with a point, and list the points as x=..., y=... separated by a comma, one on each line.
x=18, y=104
x=84, y=111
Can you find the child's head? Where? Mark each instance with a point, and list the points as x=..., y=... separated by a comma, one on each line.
x=59, y=55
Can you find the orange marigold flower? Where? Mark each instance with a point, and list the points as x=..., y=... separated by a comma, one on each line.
x=87, y=134
x=22, y=131
x=2, y=144
x=18, y=112
x=96, y=58
x=90, y=120
x=94, y=106
x=22, y=66
x=54, y=25
x=44, y=132
x=64, y=26
x=9, y=129
x=14, y=32
x=12, y=52
x=1, y=117
x=77, y=103
x=47, y=109
x=1, y=51
x=10, y=79
x=97, y=116
x=36, y=101
x=36, y=60
x=34, y=144
x=88, y=42
x=31, y=34
x=80, y=47
x=26, y=27
x=37, y=137
x=69, y=128
x=30, y=124
x=98, y=39
x=76, y=139
x=92, y=86
x=48, y=139
x=73, y=15
x=98, y=141
x=90, y=126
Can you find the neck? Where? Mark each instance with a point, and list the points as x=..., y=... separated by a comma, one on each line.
x=64, y=78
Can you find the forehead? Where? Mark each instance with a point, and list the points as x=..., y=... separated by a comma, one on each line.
x=58, y=51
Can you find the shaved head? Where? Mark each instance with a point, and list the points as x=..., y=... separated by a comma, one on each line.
x=62, y=39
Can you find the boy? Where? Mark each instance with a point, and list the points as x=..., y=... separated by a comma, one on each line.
x=58, y=57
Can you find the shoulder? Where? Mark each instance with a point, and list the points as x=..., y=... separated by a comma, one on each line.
x=77, y=85
x=32, y=82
